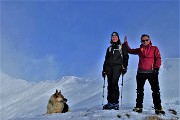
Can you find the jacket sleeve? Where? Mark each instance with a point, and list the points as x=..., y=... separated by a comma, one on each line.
x=131, y=51
x=157, y=58
x=125, y=56
x=107, y=56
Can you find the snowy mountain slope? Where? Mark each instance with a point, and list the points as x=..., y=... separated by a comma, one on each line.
x=169, y=77
x=22, y=100
x=33, y=97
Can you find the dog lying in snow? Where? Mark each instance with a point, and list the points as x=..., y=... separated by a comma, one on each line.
x=57, y=104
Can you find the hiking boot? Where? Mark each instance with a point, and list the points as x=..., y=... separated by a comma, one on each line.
x=115, y=106
x=136, y=109
x=107, y=106
x=159, y=111
x=110, y=106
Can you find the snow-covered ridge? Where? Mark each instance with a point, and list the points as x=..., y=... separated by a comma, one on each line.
x=22, y=100
x=170, y=63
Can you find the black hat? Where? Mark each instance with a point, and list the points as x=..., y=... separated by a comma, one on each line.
x=115, y=34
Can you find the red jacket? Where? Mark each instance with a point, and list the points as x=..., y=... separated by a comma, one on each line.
x=149, y=56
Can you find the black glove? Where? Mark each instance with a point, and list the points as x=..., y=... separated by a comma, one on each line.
x=103, y=74
x=156, y=72
x=124, y=71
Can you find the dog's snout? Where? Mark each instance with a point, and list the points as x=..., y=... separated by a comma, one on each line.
x=65, y=100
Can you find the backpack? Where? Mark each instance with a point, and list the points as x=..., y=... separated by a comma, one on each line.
x=120, y=50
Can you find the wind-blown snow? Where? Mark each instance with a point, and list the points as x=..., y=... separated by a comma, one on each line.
x=22, y=100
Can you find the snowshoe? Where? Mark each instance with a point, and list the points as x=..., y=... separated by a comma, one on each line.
x=110, y=106
x=159, y=111
x=136, y=109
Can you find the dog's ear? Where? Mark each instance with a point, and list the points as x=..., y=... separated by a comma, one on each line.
x=60, y=91
x=56, y=91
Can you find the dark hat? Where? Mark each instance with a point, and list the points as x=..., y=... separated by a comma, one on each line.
x=115, y=34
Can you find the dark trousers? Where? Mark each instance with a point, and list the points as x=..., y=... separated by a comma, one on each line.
x=113, y=74
x=153, y=80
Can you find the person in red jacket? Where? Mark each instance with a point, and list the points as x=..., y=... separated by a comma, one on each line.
x=148, y=68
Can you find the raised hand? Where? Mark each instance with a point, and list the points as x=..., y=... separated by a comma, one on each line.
x=125, y=39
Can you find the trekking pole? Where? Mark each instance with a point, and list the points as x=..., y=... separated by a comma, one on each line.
x=103, y=92
x=121, y=89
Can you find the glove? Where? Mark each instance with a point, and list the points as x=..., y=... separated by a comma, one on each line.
x=124, y=71
x=156, y=72
x=103, y=74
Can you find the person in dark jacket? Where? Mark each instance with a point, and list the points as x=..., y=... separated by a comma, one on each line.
x=115, y=64
x=148, y=68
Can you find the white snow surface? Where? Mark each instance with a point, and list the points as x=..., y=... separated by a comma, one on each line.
x=23, y=100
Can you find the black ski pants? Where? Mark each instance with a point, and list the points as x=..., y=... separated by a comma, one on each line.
x=153, y=80
x=113, y=73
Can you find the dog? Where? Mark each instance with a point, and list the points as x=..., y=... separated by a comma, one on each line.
x=57, y=104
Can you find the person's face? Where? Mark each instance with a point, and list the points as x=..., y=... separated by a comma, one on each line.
x=145, y=41
x=114, y=38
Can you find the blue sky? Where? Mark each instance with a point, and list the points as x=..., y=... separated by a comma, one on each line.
x=43, y=40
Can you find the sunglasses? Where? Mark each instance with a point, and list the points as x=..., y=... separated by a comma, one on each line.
x=145, y=40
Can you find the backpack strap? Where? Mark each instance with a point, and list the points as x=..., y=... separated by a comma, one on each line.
x=120, y=50
x=110, y=48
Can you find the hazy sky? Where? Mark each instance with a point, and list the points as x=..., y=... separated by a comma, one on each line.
x=43, y=40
